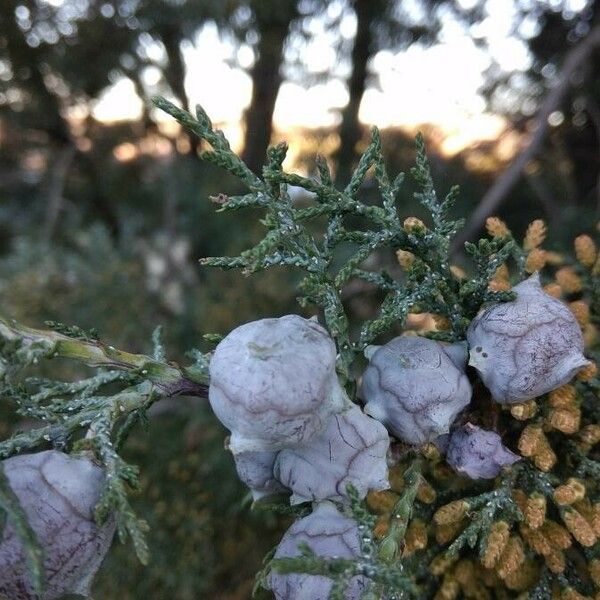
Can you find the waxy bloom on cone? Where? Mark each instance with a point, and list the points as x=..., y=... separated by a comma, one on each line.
x=58, y=493
x=328, y=533
x=527, y=347
x=273, y=383
x=477, y=453
x=352, y=449
x=416, y=387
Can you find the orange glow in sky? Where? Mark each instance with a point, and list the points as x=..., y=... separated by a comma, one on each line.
x=436, y=85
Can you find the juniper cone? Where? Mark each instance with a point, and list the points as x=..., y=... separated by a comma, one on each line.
x=58, y=494
x=528, y=347
x=273, y=383
x=328, y=533
x=416, y=387
x=352, y=449
x=255, y=469
x=477, y=453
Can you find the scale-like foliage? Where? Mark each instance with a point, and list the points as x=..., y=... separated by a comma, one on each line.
x=434, y=533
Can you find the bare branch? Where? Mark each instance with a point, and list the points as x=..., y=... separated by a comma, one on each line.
x=490, y=202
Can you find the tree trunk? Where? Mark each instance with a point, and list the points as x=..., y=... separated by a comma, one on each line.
x=146, y=123
x=273, y=26
x=175, y=75
x=99, y=201
x=350, y=129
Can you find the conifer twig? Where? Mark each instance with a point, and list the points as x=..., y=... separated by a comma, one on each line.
x=168, y=377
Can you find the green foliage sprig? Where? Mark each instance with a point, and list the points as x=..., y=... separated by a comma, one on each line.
x=485, y=509
x=289, y=241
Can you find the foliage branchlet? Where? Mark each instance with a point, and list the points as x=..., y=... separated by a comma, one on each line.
x=92, y=414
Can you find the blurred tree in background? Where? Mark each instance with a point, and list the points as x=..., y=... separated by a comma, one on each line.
x=379, y=24
x=552, y=103
x=102, y=223
x=575, y=142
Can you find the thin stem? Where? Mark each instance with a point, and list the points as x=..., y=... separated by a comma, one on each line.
x=170, y=378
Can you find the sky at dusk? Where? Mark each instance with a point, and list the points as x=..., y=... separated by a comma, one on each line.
x=437, y=85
